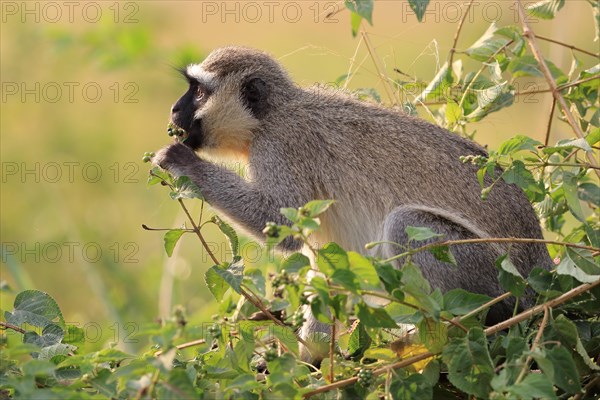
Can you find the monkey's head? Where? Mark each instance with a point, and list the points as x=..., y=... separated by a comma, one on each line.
x=230, y=93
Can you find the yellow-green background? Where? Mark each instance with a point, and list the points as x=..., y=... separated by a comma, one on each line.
x=114, y=133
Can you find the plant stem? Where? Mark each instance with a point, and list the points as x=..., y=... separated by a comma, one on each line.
x=456, y=35
x=530, y=36
x=6, y=325
x=535, y=343
x=489, y=240
x=570, y=46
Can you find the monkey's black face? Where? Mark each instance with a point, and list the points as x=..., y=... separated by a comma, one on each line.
x=183, y=113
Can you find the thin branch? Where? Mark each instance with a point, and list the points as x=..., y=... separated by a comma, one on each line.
x=484, y=306
x=537, y=309
x=197, y=230
x=6, y=325
x=489, y=240
x=535, y=344
x=389, y=91
x=147, y=228
x=184, y=346
x=530, y=36
x=456, y=35
x=332, y=351
x=549, y=128
x=570, y=46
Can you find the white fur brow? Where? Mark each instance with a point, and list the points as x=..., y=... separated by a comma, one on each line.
x=197, y=72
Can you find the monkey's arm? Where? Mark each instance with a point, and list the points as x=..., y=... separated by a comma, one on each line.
x=247, y=204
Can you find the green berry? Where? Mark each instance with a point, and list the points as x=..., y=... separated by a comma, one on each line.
x=146, y=159
x=272, y=230
x=365, y=377
x=271, y=354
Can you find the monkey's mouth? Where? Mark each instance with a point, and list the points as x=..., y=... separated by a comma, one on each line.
x=191, y=137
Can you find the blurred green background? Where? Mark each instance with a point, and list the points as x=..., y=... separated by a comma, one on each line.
x=87, y=88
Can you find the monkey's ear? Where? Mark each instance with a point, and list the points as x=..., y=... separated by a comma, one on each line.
x=255, y=93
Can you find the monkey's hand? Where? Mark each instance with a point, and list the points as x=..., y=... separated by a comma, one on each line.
x=177, y=159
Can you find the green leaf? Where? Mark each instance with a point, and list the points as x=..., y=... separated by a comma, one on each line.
x=545, y=9
x=534, y=386
x=569, y=187
x=364, y=8
x=589, y=192
x=562, y=145
x=433, y=334
x=317, y=207
x=233, y=274
x=295, y=262
x=443, y=253
x=579, y=264
x=454, y=112
x=518, y=143
x=374, y=317
x=228, y=231
x=518, y=174
x=436, y=86
x=490, y=100
x=420, y=233
x=332, y=257
x=527, y=65
x=171, y=238
x=158, y=175
x=345, y=278
x=486, y=45
x=558, y=365
x=355, y=21
x=286, y=336
x=418, y=7
x=461, y=302
x=290, y=213
x=364, y=270
x=384, y=354
x=35, y=308
x=359, y=341
x=414, y=387
x=594, y=137
x=510, y=278
x=186, y=189
x=470, y=366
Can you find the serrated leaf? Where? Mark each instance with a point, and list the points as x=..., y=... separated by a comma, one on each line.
x=579, y=264
x=290, y=213
x=157, y=175
x=461, y=302
x=518, y=143
x=171, y=238
x=418, y=233
x=419, y=7
x=545, y=9
x=569, y=187
x=355, y=21
x=186, y=189
x=594, y=137
x=454, y=112
x=317, y=207
x=374, y=317
x=534, y=386
x=228, y=231
x=444, y=254
x=486, y=45
x=384, y=354
x=510, y=278
x=413, y=387
x=286, y=336
x=490, y=100
x=216, y=284
x=558, y=365
x=364, y=270
x=295, y=263
x=232, y=275
x=469, y=363
x=518, y=174
x=332, y=257
x=358, y=342
x=568, y=145
x=35, y=308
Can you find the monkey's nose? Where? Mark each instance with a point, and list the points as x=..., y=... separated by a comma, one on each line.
x=174, y=109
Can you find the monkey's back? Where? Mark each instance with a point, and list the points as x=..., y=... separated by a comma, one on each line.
x=372, y=160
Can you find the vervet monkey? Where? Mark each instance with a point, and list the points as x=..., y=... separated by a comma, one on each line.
x=384, y=169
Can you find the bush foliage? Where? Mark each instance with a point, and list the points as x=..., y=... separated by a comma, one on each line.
x=250, y=349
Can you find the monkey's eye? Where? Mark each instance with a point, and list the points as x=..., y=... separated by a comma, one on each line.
x=199, y=93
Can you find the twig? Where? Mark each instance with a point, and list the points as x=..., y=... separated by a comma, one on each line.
x=484, y=306
x=331, y=351
x=593, y=382
x=147, y=228
x=6, y=325
x=380, y=70
x=530, y=36
x=537, y=309
x=489, y=240
x=570, y=46
x=547, y=139
x=535, y=343
x=184, y=346
x=456, y=35
x=197, y=230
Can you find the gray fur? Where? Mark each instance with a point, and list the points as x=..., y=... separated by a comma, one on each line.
x=386, y=171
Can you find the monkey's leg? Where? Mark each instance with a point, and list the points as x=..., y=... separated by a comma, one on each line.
x=476, y=271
